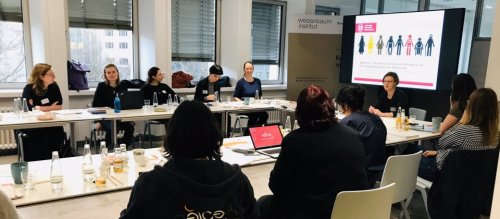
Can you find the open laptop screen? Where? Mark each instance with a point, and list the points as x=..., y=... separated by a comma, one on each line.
x=266, y=136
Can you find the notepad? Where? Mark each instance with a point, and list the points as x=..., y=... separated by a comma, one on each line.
x=403, y=134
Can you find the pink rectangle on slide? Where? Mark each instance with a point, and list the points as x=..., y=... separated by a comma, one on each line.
x=425, y=84
x=366, y=27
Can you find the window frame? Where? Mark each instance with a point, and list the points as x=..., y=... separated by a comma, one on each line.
x=281, y=56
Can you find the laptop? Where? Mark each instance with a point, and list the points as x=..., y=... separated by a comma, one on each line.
x=132, y=100
x=266, y=139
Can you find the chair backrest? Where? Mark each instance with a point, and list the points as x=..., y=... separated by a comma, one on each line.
x=402, y=170
x=372, y=203
x=420, y=113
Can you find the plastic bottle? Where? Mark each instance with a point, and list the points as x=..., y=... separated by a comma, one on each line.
x=56, y=176
x=118, y=105
x=87, y=164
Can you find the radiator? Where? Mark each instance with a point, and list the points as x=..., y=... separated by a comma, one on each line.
x=7, y=137
x=274, y=115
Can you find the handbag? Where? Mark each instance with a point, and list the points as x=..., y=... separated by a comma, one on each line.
x=77, y=78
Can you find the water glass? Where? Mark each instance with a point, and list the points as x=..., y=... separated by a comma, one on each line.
x=146, y=105
x=413, y=119
x=28, y=177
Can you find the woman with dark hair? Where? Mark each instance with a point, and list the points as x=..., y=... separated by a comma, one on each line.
x=155, y=85
x=42, y=93
x=194, y=181
x=317, y=161
x=391, y=99
x=104, y=96
x=247, y=87
x=370, y=127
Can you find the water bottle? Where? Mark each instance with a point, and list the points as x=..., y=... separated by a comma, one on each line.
x=216, y=96
x=123, y=149
x=288, y=125
x=296, y=125
x=169, y=100
x=103, y=145
x=118, y=105
x=87, y=164
x=257, y=95
x=56, y=176
x=105, y=165
x=155, y=99
x=176, y=100
x=25, y=106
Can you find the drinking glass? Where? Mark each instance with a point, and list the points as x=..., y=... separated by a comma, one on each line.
x=28, y=176
x=146, y=105
x=413, y=119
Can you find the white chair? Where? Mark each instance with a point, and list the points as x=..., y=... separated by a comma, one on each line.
x=402, y=170
x=372, y=203
x=423, y=186
x=420, y=113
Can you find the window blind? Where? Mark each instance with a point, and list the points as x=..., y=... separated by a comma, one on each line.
x=10, y=10
x=108, y=14
x=193, y=30
x=266, y=26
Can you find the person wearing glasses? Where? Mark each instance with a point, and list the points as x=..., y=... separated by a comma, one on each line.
x=391, y=99
x=206, y=87
x=42, y=93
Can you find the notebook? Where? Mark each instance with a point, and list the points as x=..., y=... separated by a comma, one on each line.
x=266, y=139
x=132, y=100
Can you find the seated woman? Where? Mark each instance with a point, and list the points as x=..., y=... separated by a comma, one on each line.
x=462, y=87
x=104, y=97
x=195, y=180
x=248, y=86
x=317, y=161
x=372, y=130
x=155, y=85
x=42, y=93
x=391, y=99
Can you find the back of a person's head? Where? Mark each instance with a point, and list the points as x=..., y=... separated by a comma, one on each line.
x=193, y=133
x=315, y=108
x=352, y=97
x=462, y=87
x=482, y=111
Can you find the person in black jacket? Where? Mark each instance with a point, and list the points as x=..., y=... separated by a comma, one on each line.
x=206, y=87
x=104, y=97
x=154, y=85
x=42, y=93
x=391, y=99
x=194, y=181
x=317, y=161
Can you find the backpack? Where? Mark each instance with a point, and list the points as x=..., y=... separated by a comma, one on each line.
x=224, y=81
x=77, y=79
x=181, y=79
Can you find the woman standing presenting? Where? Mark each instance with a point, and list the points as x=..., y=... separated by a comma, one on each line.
x=391, y=99
x=104, y=97
x=248, y=86
x=42, y=93
x=154, y=85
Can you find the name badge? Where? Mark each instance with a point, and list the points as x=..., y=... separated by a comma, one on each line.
x=393, y=109
x=45, y=101
x=205, y=91
x=164, y=91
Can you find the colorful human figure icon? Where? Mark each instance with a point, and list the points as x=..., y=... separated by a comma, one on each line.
x=409, y=45
x=361, y=45
x=419, y=46
x=399, y=44
x=380, y=45
x=428, y=46
x=390, y=44
x=370, y=45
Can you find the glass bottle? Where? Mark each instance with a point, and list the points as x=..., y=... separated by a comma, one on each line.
x=123, y=149
x=176, y=100
x=105, y=164
x=155, y=99
x=56, y=176
x=216, y=96
x=25, y=106
x=169, y=100
x=288, y=125
x=398, y=118
x=118, y=161
x=87, y=164
x=103, y=145
x=296, y=125
x=257, y=96
x=117, y=104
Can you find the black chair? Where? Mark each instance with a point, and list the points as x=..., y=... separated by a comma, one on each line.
x=464, y=188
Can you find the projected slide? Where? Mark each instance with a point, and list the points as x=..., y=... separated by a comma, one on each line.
x=407, y=43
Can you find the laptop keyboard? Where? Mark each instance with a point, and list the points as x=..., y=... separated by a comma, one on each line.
x=273, y=151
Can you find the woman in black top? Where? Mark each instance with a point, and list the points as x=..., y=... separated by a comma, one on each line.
x=391, y=99
x=42, y=93
x=195, y=182
x=247, y=87
x=154, y=85
x=317, y=161
x=104, y=97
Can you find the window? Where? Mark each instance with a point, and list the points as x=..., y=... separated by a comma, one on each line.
x=486, y=27
x=96, y=26
x=123, y=61
x=323, y=10
x=12, y=57
x=371, y=6
x=109, y=45
x=123, y=45
x=193, y=36
x=400, y=6
x=268, y=40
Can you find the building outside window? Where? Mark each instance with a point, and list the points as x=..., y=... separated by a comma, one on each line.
x=123, y=45
x=12, y=51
